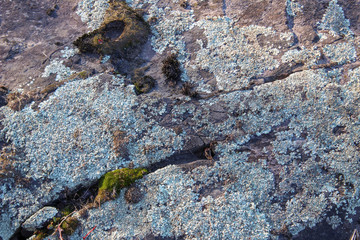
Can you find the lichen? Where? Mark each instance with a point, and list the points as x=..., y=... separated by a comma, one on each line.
x=340, y=53
x=293, y=8
x=92, y=12
x=308, y=57
x=57, y=67
x=335, y=21
x=229, y=56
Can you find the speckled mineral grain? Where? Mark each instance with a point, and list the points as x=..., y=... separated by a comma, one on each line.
x=267, y=148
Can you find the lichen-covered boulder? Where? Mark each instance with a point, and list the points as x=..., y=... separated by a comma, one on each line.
x=251, y=130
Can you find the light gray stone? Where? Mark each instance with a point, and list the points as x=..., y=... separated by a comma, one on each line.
x=38, y=220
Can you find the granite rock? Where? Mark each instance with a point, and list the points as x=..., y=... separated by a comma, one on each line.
x=267, y=148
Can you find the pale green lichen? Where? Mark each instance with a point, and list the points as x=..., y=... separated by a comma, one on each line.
x=341, y=53
x=92, y=12
x=68, y=52
x=308, y=57
x=229, y=56
x=335, y=21
x=293, y=8
x=57, y=67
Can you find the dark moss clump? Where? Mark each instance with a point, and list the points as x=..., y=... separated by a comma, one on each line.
x=187, y=89
x=112, y=182
x=17, y=101
x=3, y=92
x=144, y=84
x=69, y=225
x=122, y=32
x=184, y=4
x=171, y=69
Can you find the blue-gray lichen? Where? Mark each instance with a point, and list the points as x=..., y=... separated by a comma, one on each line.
x=341, y=53
x=335, y=21
x=282, y=145
x=92, y=12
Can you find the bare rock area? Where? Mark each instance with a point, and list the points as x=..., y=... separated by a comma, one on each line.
x=243, y=117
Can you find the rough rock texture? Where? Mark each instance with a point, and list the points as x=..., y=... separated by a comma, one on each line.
x=268, y=149
x=38, y=220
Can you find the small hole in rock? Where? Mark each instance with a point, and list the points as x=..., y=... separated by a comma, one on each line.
x=114, y=29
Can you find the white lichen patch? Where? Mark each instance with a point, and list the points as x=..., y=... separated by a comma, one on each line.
x=57, y=67
x=340, y=53
x=354, y=83
x=293, y=8
x=78, y=109
x=335, y=21
x=105, y=59
x=308, y=57
x=92, y=12
x=334, y=221
x=169, y=26
x=230, y=56
x=168, y=32
x=68, y=52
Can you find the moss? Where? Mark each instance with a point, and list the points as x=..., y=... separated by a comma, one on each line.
x=112, y=182
x=122, y=31
x=184, y=4
x=52, y=87
x=187, y=90
x=17, y=101
x=83, y=74
x=144, y=84
x=171, y=69
x=67, y=210
x=39, y=235
x=69, y=225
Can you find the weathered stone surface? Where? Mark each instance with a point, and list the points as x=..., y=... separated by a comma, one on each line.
x=39, y=218
x=268, y=149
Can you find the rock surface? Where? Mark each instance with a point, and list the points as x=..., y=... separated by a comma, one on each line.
x=38, y=220
x=268, y=148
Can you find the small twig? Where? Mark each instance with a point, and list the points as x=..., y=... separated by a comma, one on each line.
x=60, y=230
x=355, y=235
x=89, y=232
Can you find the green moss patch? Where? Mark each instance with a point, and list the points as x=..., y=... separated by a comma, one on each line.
x=39, y=235
x=112, y=182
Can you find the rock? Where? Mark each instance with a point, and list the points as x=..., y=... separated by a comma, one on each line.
x=275, y=84
x=38, y=220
